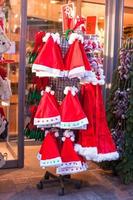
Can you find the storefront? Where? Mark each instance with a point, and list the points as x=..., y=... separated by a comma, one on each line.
x=22, y=19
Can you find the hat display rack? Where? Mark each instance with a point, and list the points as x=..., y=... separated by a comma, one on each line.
x=71, y=110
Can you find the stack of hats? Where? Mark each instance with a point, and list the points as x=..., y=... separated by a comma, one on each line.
x=51, y=155
x=68, y=115
x=71, y=161
x=75, y=64
x=49, y=61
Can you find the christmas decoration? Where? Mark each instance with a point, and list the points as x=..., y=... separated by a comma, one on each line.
x=120, y=111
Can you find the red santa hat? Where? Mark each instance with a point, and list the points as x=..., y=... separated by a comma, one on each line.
x=87, y=139
x=47, y=113
x=74, y=61
x=49, y=62
x=72, y=114
x=71, y=161
x=45, y=155
x=106, y=147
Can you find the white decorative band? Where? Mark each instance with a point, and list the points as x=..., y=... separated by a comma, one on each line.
x=71, y=164
x=51, y=162
x=47, y=121
x=45, y=69
x=48, y=125
x=107, y=157
x=77, y=72
x=71, y=170
x=75, y=124
x=89, y=153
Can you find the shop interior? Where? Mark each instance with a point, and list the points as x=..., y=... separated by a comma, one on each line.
x=42, y=15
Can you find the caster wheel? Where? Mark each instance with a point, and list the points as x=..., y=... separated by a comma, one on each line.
x=78, y=185
x=40, y=185
x=61, y=192
x=46, y=177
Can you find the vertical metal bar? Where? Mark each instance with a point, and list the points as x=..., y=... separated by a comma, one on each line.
x=21, y=85
x=78, y=7
x=113, y=35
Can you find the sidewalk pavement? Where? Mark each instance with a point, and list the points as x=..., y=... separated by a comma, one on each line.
x=20, y=184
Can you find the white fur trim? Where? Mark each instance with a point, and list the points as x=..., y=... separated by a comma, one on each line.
x=75, y=36
x=43, y=70
x=89, y=153
x=107, y=157
x=56, y=134
x=56, y=37
x=47, y=89
x=42, y=92
x=47, y=121
x=46, y=37
x=52, y=92
x=76, y=124
x=77, y=72
x=67, y=89
x=63, y=139
x=51, y=162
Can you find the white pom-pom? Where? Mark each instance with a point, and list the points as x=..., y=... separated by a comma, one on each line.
x=72, y=139
x=52, y=92
x=101, y=82
x=73, y=93
x=42, y=92
x=46, y=132
x=74, y=90
x=48, y=89
x=67, y=88
x=71, y=133
x=63, y=139
x=46, y=37
x=56, y=134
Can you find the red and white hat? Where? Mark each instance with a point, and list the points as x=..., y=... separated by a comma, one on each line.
x=47, y=156
x=107, y=150
x=74, y=61
x=47, y=113
x=72, y=114
x=71, y=161
x=49, y=62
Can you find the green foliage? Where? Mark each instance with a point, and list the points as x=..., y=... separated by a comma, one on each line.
x=124, y=166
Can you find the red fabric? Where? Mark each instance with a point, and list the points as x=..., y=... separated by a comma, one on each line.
x=87, y=138
x=50, y=55
x=68, y=153
x=2, y=112
x=74, y=58
x=86, y=62
x=105, y=142
x=47, y=107
x=49, y=148
x=40, y=82
x=97, y=134
x=38, y=41
x=3, y=72
x=71, y=110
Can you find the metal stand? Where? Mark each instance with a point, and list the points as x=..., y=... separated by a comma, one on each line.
x=51, y=178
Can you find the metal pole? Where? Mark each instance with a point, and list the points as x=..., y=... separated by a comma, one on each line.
x=113, y=35
x=21, y=85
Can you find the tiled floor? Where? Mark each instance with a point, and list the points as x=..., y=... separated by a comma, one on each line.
x=20, y=184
